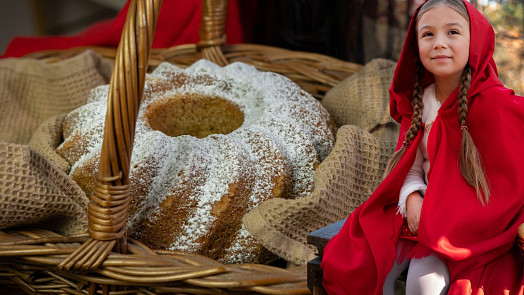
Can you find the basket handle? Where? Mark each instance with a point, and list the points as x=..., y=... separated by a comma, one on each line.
x=108, y=207
x=107, y=211
x=212, y=30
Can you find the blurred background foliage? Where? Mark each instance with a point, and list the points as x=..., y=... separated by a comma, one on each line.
x=507, y=18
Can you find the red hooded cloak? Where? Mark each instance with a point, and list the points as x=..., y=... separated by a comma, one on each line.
x=478, y=242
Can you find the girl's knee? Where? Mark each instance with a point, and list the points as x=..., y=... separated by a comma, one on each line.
x=428, y=275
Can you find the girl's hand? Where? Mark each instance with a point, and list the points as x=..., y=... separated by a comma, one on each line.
x=413, y=209
x=520, y=238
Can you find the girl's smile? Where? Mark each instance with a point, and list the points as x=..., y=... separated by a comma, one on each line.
x=441, y=58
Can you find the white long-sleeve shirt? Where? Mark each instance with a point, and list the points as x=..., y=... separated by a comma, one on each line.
x=417, y=180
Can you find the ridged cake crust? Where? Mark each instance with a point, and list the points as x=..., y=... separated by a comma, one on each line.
x=211, y=143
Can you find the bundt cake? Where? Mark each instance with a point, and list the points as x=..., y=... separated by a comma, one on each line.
x=210, y=144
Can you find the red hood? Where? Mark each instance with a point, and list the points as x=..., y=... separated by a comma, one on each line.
x=484, y=70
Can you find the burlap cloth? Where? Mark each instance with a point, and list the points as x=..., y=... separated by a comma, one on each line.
x=347, y=177
x=363, y=98
x=34, y=187
x=35, y=190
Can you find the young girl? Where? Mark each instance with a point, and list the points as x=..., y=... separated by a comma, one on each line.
x=453, y=198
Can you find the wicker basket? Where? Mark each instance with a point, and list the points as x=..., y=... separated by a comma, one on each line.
x=105, y=261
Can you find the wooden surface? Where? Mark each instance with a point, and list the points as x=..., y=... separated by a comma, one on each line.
x=319, y=239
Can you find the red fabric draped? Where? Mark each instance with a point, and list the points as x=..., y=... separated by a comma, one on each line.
x=477, y=241
x=178, y=23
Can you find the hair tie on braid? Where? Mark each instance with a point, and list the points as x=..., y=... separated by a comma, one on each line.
x=462, y=128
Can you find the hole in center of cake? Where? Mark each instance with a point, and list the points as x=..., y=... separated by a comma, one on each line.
x=194, y=114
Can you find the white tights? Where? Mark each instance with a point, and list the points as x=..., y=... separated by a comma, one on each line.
x=426, y=276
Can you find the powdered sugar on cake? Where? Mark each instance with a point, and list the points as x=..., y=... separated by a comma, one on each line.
x=285, y=134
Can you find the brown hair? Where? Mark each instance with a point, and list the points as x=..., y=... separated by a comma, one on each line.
x=457, y=5
x=470, y=161
x=471, y=166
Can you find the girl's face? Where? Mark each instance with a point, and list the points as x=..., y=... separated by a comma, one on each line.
x=443, y=42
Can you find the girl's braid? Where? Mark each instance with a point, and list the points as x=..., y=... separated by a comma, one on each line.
x=465, y=82
x=418, y=107
x=470, y=162
x=416, y=120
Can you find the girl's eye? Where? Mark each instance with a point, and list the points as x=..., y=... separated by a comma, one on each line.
x=452, y=32
x=427, y=34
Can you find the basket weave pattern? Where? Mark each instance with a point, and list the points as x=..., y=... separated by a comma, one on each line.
x=106, y=261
